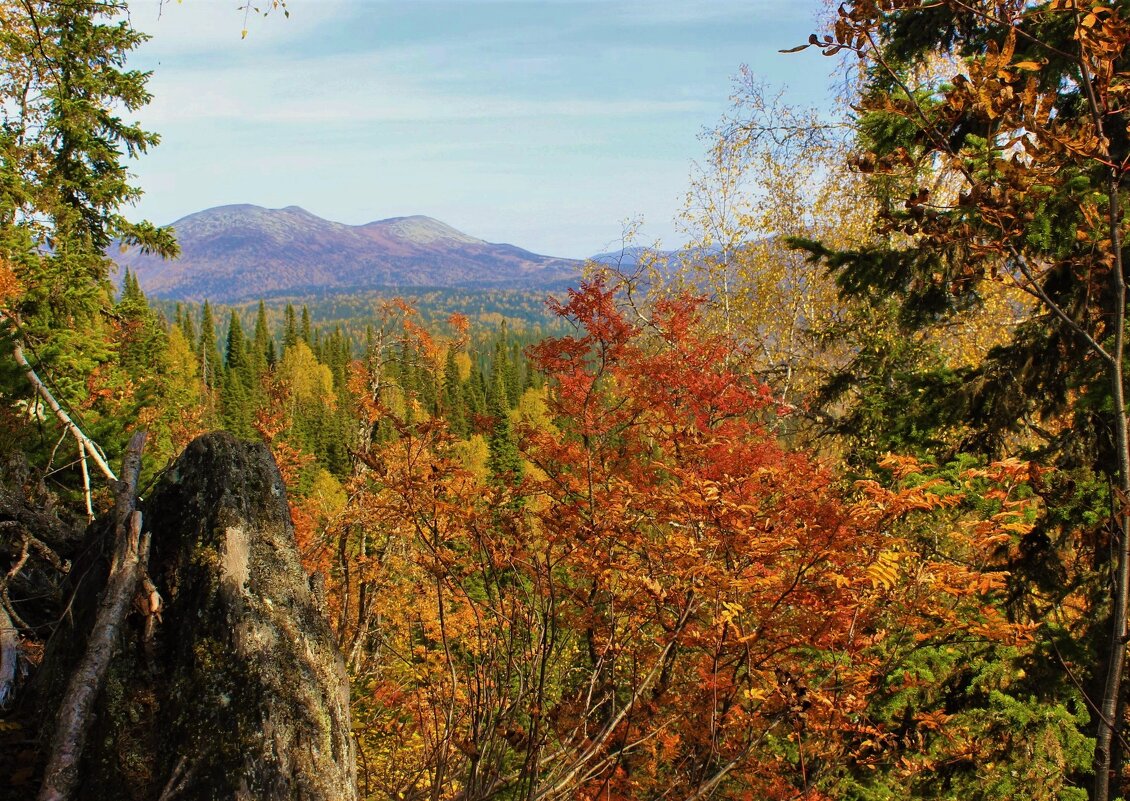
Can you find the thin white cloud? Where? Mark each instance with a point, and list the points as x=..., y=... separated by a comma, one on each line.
x=682, y=12
x=545, y=124
x=217, y=107
x=383, y=86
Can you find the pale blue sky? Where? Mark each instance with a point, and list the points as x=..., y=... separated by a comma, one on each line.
x=543, y=123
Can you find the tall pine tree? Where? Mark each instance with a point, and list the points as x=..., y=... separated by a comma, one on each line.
x=261, y=351
x=211, y=364
x=238, y=398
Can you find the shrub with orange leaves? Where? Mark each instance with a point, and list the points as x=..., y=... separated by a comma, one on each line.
x=953, y=669
x=670, y=602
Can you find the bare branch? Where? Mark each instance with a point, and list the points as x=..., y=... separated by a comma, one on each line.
x=131, y=550
x=567, y=781
x=9, y=653
x=41, y=389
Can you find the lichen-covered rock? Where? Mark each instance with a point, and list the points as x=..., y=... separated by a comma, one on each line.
x=240, y=692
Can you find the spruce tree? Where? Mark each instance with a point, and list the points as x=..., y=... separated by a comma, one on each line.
x=260, y=345
x=475, y=395
x=454, y=405
x=428, y=389
x=141, y=338
x=504, y=461
x=238, y=398
x=514, y=374
x=337, y=354
x=188, y=328
x=290, y=330
x=996, y=137
x=211, y=364
x=63, y=181
x=305, y=332
x=236, y=357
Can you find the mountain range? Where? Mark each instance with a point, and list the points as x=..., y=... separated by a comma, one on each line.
x=243, y=252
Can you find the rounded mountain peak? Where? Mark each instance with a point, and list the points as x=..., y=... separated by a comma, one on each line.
x=421, y=230
x=249, y=219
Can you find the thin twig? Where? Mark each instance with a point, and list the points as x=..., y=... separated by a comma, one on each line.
x=177, y=779
x=85, y=481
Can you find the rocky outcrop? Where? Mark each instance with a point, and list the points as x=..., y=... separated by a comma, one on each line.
x=238, y=692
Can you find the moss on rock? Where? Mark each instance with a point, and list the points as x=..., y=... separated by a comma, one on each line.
x=241, y=693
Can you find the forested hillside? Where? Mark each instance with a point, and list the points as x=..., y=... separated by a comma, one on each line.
x=834, y=506
x=244, y=252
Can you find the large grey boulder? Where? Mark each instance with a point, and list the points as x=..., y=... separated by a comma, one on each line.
x=238, y=692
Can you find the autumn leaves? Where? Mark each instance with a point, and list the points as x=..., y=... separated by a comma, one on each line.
x=668, y=601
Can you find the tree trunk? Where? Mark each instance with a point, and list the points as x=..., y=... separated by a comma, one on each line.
x=74, y=718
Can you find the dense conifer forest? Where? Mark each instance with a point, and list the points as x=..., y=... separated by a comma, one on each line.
x=838, y=507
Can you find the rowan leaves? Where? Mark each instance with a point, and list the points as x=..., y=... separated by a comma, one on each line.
x=615, y=575
x=667, y=582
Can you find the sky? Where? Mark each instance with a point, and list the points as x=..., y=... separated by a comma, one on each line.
x=548, y=124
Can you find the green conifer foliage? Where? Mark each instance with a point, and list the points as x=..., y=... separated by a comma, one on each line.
x=63, y=180
x=476, y=398
x=515, y=370
x=309, y=396
x=236, y=356
x=188, y=328
x=141, y=337
x=339, y=352
x=496, y=394
x=996, y=137
x=239, y=401
x=306, y=332
x=290, y=330
x=211, y=364
x=454, y=404
x=505, y=462
x=428, y=388
x=260, y=354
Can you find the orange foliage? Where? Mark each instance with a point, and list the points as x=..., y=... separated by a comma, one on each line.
x=670, y=603
x=271, y=423
x=187, y=424
x=461, y=326
x=9, y=285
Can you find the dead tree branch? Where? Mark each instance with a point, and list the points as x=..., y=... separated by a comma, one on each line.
x=9, y=653
x=92, y=449
x=87, y=446
x=131, y=551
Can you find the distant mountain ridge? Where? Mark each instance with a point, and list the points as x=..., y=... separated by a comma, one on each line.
x=243, y=252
